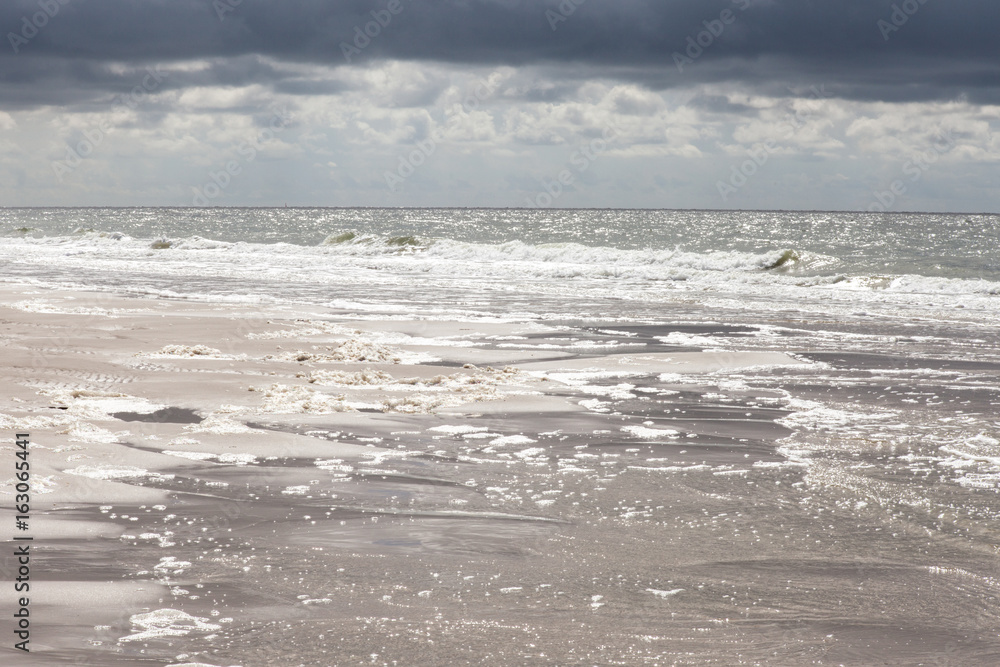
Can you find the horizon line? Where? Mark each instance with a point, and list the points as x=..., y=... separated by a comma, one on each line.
x=513, y=208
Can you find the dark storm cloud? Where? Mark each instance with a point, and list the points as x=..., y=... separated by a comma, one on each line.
x=942, y=49
x=86, y=84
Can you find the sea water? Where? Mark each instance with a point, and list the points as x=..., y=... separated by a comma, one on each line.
x=760, y=258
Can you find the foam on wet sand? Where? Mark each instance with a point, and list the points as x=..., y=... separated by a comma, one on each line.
x=257, y=480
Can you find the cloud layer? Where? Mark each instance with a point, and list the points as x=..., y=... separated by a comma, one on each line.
x=922, y=49
x=500, y=96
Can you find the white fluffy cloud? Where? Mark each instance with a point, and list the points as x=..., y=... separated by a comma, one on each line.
x=461, y=135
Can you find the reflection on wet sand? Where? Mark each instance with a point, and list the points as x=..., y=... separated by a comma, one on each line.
x=749, y=501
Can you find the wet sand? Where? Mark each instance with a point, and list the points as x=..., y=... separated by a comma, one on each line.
x=226, y=485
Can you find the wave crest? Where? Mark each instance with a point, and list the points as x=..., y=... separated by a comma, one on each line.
x=599, y=260
x=367, y=244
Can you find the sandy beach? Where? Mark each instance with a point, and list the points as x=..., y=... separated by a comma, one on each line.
x=165, y=431
x=227, y=485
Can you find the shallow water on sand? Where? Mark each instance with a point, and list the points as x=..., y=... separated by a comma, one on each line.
x=838, y=511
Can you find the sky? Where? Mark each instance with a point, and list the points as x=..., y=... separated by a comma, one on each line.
x=716, y=104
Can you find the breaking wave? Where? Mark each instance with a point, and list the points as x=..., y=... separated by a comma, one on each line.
x=349, y=256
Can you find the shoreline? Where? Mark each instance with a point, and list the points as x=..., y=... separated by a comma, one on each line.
x=286, y=472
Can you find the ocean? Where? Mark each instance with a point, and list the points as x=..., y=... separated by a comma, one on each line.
x=681, y=437
x=318, y=255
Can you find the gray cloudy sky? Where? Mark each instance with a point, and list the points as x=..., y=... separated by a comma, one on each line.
x=807, y=104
